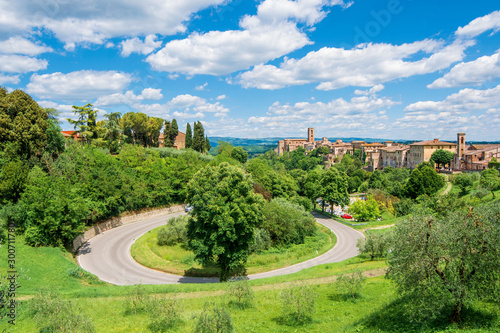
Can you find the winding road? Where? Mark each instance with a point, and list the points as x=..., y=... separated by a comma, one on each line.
x=107, y=255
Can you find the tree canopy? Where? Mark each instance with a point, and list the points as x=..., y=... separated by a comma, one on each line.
x=225, y=213
x=334, y=188
x=442, y=157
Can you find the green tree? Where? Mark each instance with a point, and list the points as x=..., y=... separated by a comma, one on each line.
x=13, y=177
x=207, y=144
x=489, y=180
x=351, y=284
x=297, y=304
x=334, y=184
x=198, y=137
x=376, y=180
x=23, y=125
x=173, y=131
x=225, y=213
x=189, y=136
x=494, y=164
x=112, y=131
x=423, y=180
x=365, y=210
x=86, y=122
x=446, y=263
x=214, y=319
x=374, y=244
x=239, y=154
x=354, y=183
x=442, y=157
x=464, y=182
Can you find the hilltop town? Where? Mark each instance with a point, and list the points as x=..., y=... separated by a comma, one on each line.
x=377, y=155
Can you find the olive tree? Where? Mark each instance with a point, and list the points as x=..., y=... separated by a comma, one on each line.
x=225, y=214
x=447, y=263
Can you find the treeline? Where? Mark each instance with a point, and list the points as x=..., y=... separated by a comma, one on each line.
x=53, y=189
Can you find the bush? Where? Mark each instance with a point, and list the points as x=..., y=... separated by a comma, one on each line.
x=261, y=241
x=214, y=318
x=304, y=202
x=137, y=300
x=480, y=193
x=374, y=245
x=297, y=304
x=287, y=223
x=53, y=314
x=351, y=284
x=403, y=207
x=164, y=314
x=239, y=292
x=365, y=210
x=174, y=232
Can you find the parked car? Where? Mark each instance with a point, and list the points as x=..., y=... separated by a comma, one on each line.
x=188, y=208
x=346, y=216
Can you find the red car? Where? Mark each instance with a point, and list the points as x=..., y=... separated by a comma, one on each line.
x=346, y=216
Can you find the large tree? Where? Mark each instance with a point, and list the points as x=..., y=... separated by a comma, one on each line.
x=446, y=263
x=239, y=154
x=225, y=213
x=173, y=131
x=86, y=122
x=335, y=187
x=23, y=124
x=442, y=157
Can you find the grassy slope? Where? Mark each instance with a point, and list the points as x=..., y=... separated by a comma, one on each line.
x=178, y=260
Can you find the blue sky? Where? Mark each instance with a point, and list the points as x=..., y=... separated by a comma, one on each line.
x=395, y=69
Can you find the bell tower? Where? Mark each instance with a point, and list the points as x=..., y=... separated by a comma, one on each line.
x=460, y=145
x=310, y=134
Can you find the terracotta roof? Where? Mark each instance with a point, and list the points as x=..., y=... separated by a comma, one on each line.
x=434, y=142
x=375, y=144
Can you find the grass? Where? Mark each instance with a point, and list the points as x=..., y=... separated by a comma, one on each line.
x=378, y=308
x=177, y=259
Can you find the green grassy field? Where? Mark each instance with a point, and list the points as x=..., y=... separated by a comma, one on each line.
x=179, y=260
x=376, y=310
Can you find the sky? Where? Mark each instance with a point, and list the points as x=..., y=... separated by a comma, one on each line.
x=389, y=69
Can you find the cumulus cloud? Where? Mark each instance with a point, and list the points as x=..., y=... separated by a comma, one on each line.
x=221, y=97
x=19, y=45
x=21, y=64
x=129, y=98
x=268, y=35
x=480, y=25
x=94, y=21
x=366, y=65
x=85, y=85
x=372, y=91
x=483, y=69
x=9, y=79
x=201, y=87
x=136, y=45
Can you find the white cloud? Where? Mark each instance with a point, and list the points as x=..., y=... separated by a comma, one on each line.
x=19, y=45
x=9, y=79
x=129, y=98
x=483, y=69
x=221, y=97
x=268, y=35
x=372, y=91
x=135, y=45
x=21, y=64
x=81, y=85
x=94, y=21
x=224, y=52
x=366, y=65
x=201, y=87
x=480, y=25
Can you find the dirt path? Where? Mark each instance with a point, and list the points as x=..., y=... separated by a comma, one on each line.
x=447, y=189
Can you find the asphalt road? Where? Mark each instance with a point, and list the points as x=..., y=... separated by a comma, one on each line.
x=107, y=255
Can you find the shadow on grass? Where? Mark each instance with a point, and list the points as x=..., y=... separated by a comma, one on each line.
x=392, y=318
x=342, y=297
x=291, y=320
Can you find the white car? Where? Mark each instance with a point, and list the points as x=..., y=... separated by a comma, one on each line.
x=188, y=208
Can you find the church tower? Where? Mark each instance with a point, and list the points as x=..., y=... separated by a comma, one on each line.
x=310, y=134
x=460, y=145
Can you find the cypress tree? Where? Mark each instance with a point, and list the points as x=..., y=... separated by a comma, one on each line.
x=173, y=131
x=198, y=137
x=207, y=144
x=189, y=136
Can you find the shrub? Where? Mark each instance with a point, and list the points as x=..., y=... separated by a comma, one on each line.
x=403, y=207
x=164, y=314
x=53, y=314
x=351, y=284
x=261, y=241
x=137, y=300
x=297, y=304
x=287, y=223
x=374, y=245
x=239, y=292
x=214, y=318
x=480, y=193
x=174, y=232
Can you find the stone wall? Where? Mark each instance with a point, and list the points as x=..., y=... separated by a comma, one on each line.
x=121, y=220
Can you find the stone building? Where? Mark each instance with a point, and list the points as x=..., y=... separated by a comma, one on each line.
x=421, y=151
x=473, y=157
x=179, y=143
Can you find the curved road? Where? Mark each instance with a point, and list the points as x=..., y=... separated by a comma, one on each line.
x=107, y=255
